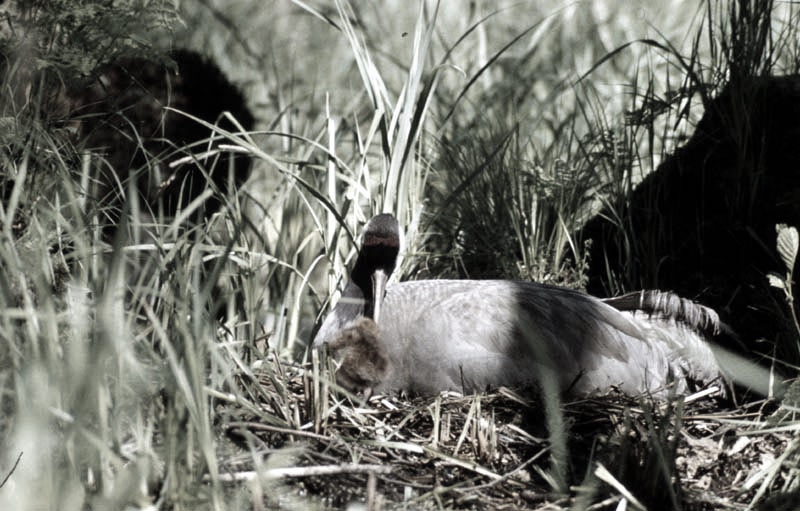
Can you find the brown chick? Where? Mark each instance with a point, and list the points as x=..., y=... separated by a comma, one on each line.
x=363, y=363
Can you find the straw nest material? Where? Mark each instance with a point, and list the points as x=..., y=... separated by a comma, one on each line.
x=299, y=440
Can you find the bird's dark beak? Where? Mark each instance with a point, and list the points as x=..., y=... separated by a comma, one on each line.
x=379, y=278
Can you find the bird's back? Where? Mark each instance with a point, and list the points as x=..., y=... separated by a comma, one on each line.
x=469, y=335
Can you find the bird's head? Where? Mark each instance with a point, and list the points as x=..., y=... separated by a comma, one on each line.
x=376, y=260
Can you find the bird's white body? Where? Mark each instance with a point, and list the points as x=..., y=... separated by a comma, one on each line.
x=469, y=335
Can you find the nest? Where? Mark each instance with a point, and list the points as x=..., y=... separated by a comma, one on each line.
x=295, y=438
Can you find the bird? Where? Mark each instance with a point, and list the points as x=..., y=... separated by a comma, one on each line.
x=428, y=336
x=362, y=362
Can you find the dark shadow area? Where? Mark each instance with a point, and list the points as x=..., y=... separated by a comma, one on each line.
x=704, y=223
x=122, y=116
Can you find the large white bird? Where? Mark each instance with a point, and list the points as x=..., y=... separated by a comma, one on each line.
x=424, y=337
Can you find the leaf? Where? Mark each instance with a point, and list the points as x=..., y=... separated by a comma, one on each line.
x=775, y=280
x=787, y=245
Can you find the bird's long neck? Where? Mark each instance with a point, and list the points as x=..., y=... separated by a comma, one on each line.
x=378, y=254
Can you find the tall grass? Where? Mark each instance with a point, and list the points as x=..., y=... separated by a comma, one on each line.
x=110, y=382
x=491, y=135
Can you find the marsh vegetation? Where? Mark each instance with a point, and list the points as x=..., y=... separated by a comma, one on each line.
x=157, y=358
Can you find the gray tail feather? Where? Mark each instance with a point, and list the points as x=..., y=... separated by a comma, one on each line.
x=697, y=364
x=668, y=305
